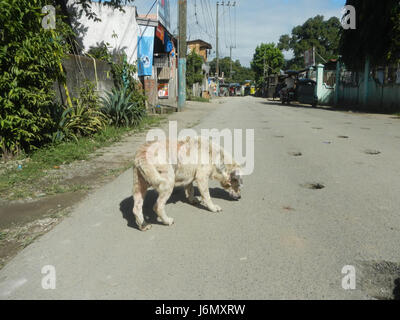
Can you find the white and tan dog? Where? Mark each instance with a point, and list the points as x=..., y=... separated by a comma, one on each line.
x=197, y=160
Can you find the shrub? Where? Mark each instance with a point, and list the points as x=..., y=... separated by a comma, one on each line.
x=123, y=72
x=29, y=65
x=120, y=109
x=83, y=119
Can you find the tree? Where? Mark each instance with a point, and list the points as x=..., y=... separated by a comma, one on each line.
x=194, y=71
x=323, y=35
x=377, y=34
x=267, y=59
x=30, y=59
x=239, y=73
x=86, y=7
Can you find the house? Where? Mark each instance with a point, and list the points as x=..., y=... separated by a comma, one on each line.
x=160, y=80
x=202, y=48
x=146, y=41
x=119, y=30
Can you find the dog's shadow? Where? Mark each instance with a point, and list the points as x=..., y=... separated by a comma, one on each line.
x=126, y=206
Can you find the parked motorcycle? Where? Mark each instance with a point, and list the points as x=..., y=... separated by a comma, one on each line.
x=287, y=95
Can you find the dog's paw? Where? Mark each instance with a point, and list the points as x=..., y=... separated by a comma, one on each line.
x=215, y=208
x=145, y=226
x=168, y=221
x=195, y=201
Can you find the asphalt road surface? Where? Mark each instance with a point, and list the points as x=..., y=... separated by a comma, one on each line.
x=324, y=194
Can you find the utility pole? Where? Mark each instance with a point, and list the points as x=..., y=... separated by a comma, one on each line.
x=228, y=4
x=263, y=89
x=182, y=54
x=230, y=49
x=217, y=52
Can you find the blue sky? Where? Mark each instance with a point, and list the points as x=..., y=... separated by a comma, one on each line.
x=256, y=21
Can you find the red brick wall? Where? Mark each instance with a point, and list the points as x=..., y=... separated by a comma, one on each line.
x=150, y=90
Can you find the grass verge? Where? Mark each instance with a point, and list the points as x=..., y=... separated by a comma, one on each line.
x=18, y=182
x=198, y=99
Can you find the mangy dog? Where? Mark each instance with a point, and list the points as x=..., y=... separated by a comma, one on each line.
x=189, y=167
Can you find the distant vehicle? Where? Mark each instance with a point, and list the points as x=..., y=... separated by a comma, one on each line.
x=304, y=91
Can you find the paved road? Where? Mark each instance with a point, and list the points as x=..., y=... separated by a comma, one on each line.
x=281, y=241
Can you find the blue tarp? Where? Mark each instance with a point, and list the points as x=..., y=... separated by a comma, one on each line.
x=145, y=50
x=168, y=43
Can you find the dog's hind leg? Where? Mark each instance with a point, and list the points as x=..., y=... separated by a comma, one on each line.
x=139, y=192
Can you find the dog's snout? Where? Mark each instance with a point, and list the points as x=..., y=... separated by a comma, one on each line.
x=236, y=197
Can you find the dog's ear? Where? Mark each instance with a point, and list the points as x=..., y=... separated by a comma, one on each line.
x=221, y=168
x=236, y=175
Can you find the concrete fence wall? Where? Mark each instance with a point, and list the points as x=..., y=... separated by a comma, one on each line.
x=81, y=68
x=378, y=98
x=384, y=98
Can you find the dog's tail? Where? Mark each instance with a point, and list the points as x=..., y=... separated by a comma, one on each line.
x=147, y=169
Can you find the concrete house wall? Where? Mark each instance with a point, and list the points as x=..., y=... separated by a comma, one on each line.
x=113, y=22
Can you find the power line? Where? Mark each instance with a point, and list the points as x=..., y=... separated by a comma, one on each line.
x=141, y=35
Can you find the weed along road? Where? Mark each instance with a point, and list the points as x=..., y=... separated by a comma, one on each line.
x=318, y=219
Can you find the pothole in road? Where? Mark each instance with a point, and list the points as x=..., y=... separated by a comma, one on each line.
x=372, y=152
x=313, y=186
x=279, y=136
x=288, y=208
x=318, y=128
x=343, y=137
x=379, y=279
x=295, y=154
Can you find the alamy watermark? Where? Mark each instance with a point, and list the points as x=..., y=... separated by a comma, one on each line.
x=49, y=279
x=349, y=280
x=349, y=16
x=202, y=154
x=49, y=20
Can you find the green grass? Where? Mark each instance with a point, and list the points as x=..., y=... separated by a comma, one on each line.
x=20, y=182
x=198, y=99
x=3, y=235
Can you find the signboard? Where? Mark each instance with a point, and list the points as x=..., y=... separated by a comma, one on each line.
x=160, y=33
x=309, y=58
x=163, y=90
x=163, y=12
x=145, y=50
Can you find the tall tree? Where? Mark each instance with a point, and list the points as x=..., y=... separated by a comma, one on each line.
x=267, y=59
x=194, y=72
x=239, y=73
x=323, y=35
x=377, y=34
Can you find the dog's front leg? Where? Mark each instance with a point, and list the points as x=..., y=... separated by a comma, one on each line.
x=189, y=192
x=205, y=193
